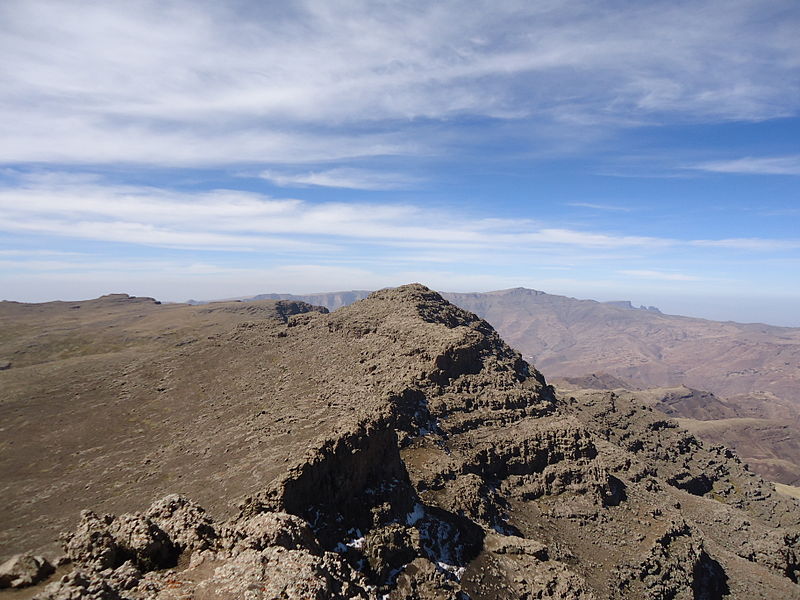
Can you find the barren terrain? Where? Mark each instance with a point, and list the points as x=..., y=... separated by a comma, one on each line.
x=690, y=368
x=395, y=447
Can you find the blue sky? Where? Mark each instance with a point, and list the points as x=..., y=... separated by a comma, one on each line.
x=607, y=150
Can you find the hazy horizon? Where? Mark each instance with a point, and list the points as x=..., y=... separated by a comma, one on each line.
x=602, y=150
x=715, y=309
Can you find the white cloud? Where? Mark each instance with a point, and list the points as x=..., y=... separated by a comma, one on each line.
x=599, y=206
x=197, y=83
x=591, y=239
x=84, y=207
x=350, y=178
x=776, y=165
x=147, y=234
x=175, y=280
x=92, y=264
x=38, y=252
x=251, y=243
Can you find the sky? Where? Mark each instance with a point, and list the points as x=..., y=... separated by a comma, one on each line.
x=647, y=151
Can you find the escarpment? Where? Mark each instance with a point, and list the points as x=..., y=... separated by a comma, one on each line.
x=399, y=448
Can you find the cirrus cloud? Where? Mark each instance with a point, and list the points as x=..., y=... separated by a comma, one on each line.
x=194, y=83
x=775, y=165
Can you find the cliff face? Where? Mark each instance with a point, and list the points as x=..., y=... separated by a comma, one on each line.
x=399, y=448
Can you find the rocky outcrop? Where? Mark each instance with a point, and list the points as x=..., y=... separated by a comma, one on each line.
x=675, y=566
x=270, y=555
x=107, y=542
x=354, y=482
x=22, y=570
x=185, y=523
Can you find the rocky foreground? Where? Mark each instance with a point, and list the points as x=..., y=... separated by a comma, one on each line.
x=397, y=448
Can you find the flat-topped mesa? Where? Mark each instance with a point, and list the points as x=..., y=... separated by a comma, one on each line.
x=112, y=299
x=517, y=291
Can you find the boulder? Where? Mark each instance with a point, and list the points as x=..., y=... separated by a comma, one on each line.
x=185, y=522
x=270, y=529
x=22, y=570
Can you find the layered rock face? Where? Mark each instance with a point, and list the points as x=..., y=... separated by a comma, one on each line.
x=398, y=448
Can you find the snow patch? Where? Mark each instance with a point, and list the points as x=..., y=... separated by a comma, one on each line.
x=357, y=542
x=457, y=572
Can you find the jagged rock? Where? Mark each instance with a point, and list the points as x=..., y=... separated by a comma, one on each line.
x=470, y=495
x=346, y=480
x=274, y=529
x=266, y=556
x=552, y=581
x=678, y=457
x=107, y=542
x=277, y=572
x=184, y=521
x=92, y=543
x=389, y=548
x=778, y=550
x=22, y=570
x=125, y=577
x=143, y=542
x=518, y=568
x=676, y=566
x=79, y=585
x=422, y=580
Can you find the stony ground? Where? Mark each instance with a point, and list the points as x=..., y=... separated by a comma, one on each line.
x=395, y=447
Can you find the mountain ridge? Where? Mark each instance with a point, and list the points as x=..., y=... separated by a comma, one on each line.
x=751, y=367
x=320, y=300
x=646, y=348
x=397, y=446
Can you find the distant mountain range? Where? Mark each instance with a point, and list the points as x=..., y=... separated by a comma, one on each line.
x=753, y=368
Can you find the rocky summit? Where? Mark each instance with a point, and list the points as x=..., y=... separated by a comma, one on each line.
x=396, y=448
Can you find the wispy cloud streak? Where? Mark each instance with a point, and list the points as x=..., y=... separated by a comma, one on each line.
x=88, y=208
x=349, y=178
x=776, y=165
x=596, y=206
x=188, y=83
